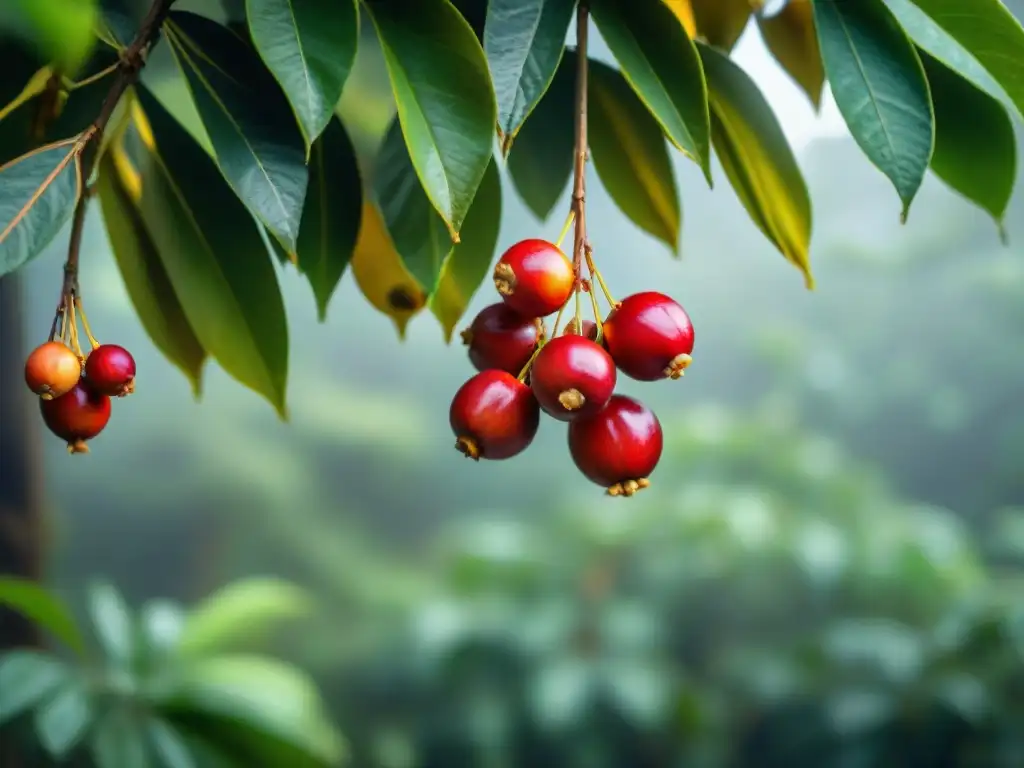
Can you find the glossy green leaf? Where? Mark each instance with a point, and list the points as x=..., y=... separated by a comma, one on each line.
x=61, y=30
x=445, y=102
x=523, y=40
x=261, y=697
x=791, y=38
x=310, y=47
x=255, y=138
x=145, y=279
x=169, y=746
x=26, y=678
x=37, y=604
x=330, y=219
x=975, y=147
x=990, y=33
x=540, y=163
x=119, y=741
x=38, y=192
x=418, y=232
x=659, y=61
x=721, y=22
x=242, y=612
x=65, y=719
x=212, y=251
x=112, y=622
x=880, y=88
x=758, y=160
x=470, y=262
x=631, y=156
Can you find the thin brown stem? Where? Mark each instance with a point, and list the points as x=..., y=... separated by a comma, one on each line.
x=579, y=186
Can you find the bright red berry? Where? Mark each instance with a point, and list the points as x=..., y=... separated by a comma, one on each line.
x=52, y=370
x=589, y=329
x=494, y=416
x=649, y=336
x=499, y=337
x=111, y=370
x=619, y=446
x=77, y=416
x=534, y=278
x=572, y=377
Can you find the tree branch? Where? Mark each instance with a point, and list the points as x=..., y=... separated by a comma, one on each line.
x=133, y=59
x=579, y=186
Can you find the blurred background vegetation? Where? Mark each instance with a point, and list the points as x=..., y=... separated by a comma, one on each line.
x=828, y=569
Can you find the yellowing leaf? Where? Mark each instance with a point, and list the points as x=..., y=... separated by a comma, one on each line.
x=684, y=12
x=790, y=37
x=721, y=22
x=380, y=274
x=758, y=160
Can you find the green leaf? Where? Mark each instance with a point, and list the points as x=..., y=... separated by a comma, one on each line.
x=26, y=678
x=242, y=612
x=40, y=606
x=310, y=47
x=159, y=629
x=63, y=721
x=145, y=278
x=880, y=88
x=119, y=741
x=470, y=262
x=40, y=190
x=791, y=38
x=989, y=32
x=113, y=623
x=523, y=40
x=251, y=698
x=252, y=129
x=540, y=164
x=416, y=229
x=721, y=22
x=445, y=103
x=758, y=160
x=659, y=61
x=61, y=30
x=975, y=147
x=212, y=251
x=630, y=155
x=330, y=219
x=170, y=747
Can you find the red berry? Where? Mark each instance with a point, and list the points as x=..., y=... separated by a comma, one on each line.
x=111, y=370
x=77, y=416
x=649, y=336
x=589, y=329
x=52, y=370
x=618, y=447
x=501, y=338
x=572, y=377
x=534, y=278
x=494, y=416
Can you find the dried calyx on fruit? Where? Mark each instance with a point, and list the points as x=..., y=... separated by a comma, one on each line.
x=618, y=447
x=494, y=416
x=572, y=377
x=650, y=337
x=534, y=278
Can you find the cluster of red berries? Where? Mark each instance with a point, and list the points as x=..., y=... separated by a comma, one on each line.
x=75, y=391
x=614, y=440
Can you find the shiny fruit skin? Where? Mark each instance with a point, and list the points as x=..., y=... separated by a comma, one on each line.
x=650, y=336
x=499, y=337
x=111, y=370
x=52, y=370
x=589, y=329
x=77, y=416
x=534, y=278
x=494, y=416
x=572, y=377
x=618, y=447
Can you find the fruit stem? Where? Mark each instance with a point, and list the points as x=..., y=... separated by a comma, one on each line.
x=597, y=309
x=73, y=330
x=596, y=273
x=565, y=228
x=85, y=323
x=579, y=187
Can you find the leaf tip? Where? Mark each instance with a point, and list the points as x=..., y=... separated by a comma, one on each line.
x=1004, y=236
x=809, y=283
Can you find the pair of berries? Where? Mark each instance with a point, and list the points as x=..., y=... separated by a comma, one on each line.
x=74, y=398
x=614, y=440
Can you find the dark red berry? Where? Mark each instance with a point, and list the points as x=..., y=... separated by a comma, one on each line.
x=649, y=336
x=534, y=278
x=589, y=329
x=77, y=416
x=111, y=370
x=572, y=377
x=618, y=447
x=494, y=416
x=52, y=370
x=499, y=337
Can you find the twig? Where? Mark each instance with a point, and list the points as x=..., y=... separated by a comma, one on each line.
x=579, y=187
x=128, y=69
